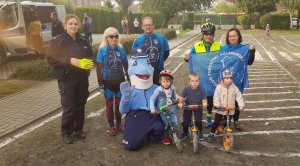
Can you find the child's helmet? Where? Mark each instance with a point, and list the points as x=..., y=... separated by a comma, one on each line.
x=227, y=73
x=166, y=73
x=208, y=28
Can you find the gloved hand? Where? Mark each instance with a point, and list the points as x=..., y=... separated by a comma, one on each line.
x=101, y=89
x=125, y=89
x=86, y=64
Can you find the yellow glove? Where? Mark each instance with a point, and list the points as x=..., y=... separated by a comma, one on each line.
x=86, y=64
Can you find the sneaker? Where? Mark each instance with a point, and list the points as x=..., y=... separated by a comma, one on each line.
x=236, y=125
x=208, y=122
x=166, y=141
x=67, y=139
x=183, y=136
x=111, y=131
x=120, y=128
x=79, y=135
x=211, y=138
x=200, y=136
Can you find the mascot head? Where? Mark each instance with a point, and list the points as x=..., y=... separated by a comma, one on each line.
x=140, y=70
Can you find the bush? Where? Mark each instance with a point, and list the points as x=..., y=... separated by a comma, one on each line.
x=276, y=20
x=38, y=70
x=243, y=21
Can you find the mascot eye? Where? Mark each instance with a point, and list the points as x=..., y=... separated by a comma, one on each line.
x=133, y=63
x=148, y=61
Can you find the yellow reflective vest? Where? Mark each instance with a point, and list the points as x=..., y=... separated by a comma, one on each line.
x=200, y=47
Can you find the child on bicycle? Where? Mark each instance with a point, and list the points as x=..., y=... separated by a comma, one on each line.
x=268, y=28
x=163, y=95
x=225, y=95
x=193, y=95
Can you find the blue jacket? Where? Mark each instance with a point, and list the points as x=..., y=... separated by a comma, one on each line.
x=156, y=46
x=138, y=99
x=159, y=98
x=113, y=60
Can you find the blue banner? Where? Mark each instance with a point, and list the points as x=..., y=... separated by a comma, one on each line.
x=211, y=65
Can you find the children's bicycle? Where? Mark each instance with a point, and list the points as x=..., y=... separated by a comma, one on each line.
x=193, y=129
x=228, y=140
x=172, y=132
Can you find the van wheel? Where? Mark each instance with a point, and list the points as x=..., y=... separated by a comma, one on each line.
x=2, y=55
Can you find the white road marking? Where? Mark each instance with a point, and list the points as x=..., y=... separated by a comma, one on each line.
x=177, y=67
x=286, y=56
x=271, y=56
x=288, y=41
x=298, y=64
x=270, y=101
x=259, y=79
x=266, y=71
x=270, y=93
x=271, y=109
x=274, y=48
x=284, y=49
x=258, y=57
x=221, y=39
x=274, y=87
x=270, y=119
x=174, y=51
x=263, y=75
x=95, y=114
x=166, y=64
x=32, y=128
x=256, y=83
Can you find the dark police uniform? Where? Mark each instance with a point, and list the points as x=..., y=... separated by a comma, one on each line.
x=57, y=28
x=72, y=81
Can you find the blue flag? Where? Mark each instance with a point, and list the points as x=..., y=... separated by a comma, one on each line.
x=210, y=66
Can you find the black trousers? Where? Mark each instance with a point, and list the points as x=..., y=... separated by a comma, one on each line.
x=187, y=119
x=236, y=115
x=74, y=94
x=156, y=77
x=210, y=103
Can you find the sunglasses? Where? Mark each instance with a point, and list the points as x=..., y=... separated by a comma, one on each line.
x=113, y=36
x=208, y=34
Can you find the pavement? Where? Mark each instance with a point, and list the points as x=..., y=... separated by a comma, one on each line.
x=19, y=110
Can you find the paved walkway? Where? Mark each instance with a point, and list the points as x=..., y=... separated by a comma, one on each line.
x=24, y=108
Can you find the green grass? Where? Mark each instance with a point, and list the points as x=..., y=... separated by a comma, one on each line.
x=8, y=87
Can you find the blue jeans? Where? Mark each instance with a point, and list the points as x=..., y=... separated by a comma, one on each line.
x=173, y=118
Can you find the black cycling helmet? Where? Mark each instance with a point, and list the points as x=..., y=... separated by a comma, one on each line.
x=208, y=28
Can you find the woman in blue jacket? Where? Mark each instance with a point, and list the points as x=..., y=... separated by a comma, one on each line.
x=112, y=68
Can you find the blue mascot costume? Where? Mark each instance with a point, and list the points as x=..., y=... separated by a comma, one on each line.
x=139, y=124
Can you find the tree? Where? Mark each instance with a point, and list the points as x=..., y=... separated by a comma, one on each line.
x=292, y=5
x=256, y=6
x=225, y=8
x=108, y=4
x=169, y=8
x=124, y=5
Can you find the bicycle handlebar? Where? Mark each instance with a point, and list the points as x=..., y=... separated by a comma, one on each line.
x=225, y=109
x=192, y=106
x=167, y=107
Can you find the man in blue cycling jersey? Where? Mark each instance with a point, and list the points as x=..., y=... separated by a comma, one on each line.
x=155, y=45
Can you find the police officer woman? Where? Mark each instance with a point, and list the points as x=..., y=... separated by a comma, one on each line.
x=71, y=57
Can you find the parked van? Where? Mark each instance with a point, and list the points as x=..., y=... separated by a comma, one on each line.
x=294, y=22
x=15, y=18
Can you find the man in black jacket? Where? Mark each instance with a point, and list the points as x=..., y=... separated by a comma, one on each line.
x=57, y=27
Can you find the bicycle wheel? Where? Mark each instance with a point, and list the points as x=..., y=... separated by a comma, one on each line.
x=227, y=140
x=177, y=142
x=195, y=141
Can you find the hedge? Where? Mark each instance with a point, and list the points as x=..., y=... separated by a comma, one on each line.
x=276, y=20
x=104, y=18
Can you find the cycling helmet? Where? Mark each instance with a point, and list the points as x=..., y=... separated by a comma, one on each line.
x=227, y=73
x=166, y=73
x=208, y=28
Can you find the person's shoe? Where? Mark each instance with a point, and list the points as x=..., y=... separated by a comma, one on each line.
x=200, y=136
x=166, y=141
x=120, y=128
x=208, y=122
x=111, y=131
x=79, y=135
x=236, y=125
x=183, y=136
x=211, y=138
x=67, y=139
